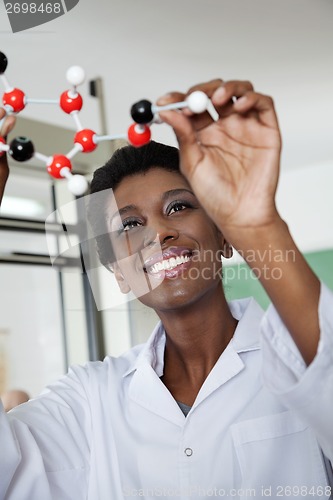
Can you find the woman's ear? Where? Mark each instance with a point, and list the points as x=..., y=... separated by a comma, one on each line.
x=226, y=248
x=122, y=283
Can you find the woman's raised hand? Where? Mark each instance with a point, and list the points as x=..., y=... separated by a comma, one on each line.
x=232, y=162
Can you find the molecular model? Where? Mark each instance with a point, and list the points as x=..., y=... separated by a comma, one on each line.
x=59, y=166
x=85, y=140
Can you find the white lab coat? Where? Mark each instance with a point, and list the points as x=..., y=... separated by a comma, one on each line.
x=111, y=430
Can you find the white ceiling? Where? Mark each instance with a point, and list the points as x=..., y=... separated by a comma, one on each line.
x=144, y=48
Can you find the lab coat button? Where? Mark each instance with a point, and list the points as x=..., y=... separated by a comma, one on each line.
x=188, y=452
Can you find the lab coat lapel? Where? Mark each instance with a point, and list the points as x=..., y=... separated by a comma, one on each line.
x=228, y=365
x=147, y=390
x=246, y=338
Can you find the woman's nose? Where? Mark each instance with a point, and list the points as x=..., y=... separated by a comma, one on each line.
x=159, y=234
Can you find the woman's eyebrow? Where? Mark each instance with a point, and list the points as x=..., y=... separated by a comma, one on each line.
x=176, y=192
x=166, y=195
x=122, y=211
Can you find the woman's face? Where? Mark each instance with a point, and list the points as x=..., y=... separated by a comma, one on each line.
x=167, y=249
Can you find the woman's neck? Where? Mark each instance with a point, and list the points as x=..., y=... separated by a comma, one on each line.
x=196, y=337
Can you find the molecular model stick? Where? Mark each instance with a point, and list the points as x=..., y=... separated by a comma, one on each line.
x=85, y=140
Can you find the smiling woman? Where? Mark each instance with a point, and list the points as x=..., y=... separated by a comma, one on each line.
x=174, y=245
x=223, y=399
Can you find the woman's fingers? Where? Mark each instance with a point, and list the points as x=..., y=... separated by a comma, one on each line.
x=262, y=104
x=199, y=121
x=234, y=96
x=186, y=134
x=223, y=96
x=7, y=124
x=244, y=99
x=225, y=93
x=207, y=87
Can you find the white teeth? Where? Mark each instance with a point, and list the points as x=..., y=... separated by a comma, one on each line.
x=169, y=263
x=173, y=262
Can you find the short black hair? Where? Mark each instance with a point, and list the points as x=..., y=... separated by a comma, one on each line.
x=125, y=162
x=130, y=160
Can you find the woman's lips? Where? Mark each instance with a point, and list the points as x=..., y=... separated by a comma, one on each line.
x=170, y=265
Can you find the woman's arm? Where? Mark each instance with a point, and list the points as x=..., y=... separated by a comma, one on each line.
x=232, y=164
x=45, y=443
x=7, y=126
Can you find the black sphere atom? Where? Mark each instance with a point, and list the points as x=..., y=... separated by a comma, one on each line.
x=21, y=149
x=141, y=112
x=3, y=63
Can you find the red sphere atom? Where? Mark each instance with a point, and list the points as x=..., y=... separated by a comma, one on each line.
x=14, y=99
x=138, y=135
x=58, y=163
x=70, y=104
x=86, y=139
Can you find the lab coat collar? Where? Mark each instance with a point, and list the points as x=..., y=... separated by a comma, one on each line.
x=246, y=337
x=249, y=315
x=152, y=352
x=146, y=388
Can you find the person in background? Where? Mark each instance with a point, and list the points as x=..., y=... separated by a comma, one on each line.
x=14, y=397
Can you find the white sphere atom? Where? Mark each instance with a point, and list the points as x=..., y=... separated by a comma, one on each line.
x=75, y=75
x=197, y=101
x=78, y=185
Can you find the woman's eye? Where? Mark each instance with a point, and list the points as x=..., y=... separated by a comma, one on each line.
x=177, y=207
x=129, y=224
